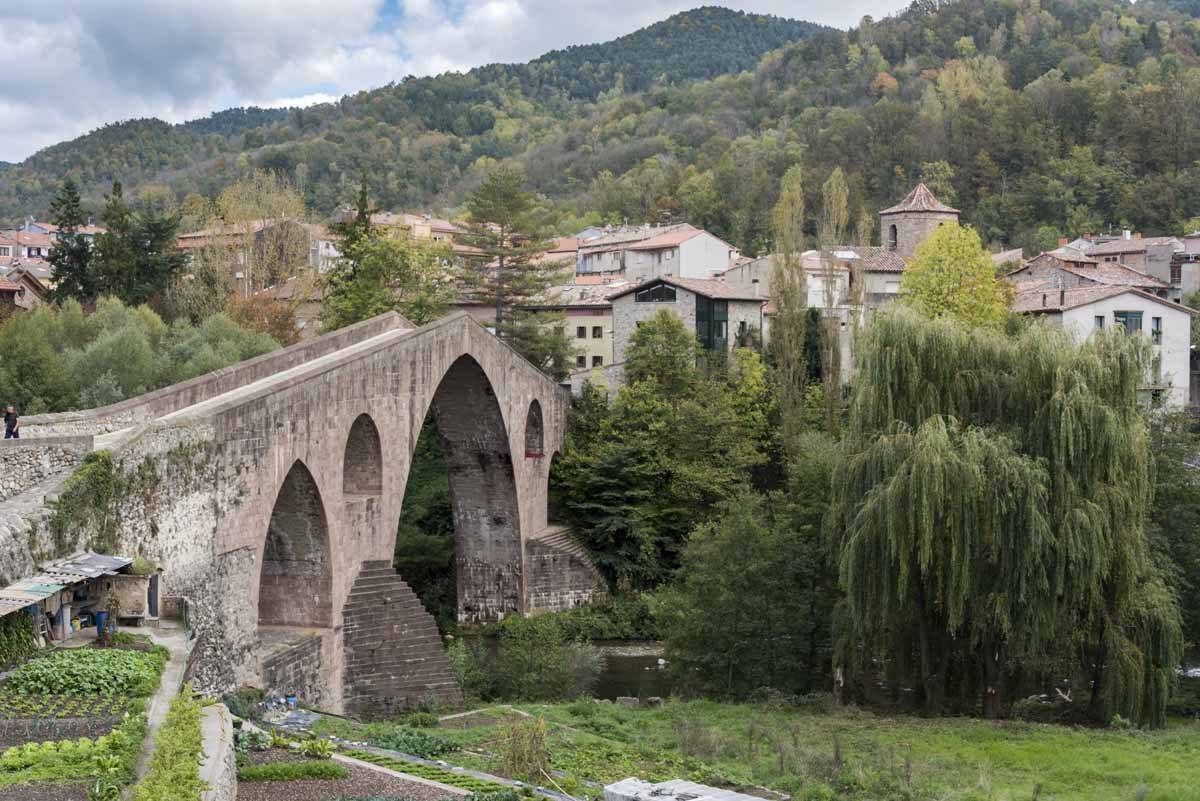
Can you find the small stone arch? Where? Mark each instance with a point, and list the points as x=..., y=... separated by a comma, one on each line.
x=893, y=240
x=362, y=464
x=296, y=579
x=535, y=432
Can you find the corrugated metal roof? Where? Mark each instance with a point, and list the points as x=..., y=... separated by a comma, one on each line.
x=88, y=564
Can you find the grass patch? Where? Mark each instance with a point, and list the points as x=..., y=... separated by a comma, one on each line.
x=858, y=755
x=292, y=771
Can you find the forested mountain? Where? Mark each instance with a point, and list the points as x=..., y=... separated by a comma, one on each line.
x=1035, y=117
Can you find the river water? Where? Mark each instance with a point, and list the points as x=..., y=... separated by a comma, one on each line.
x=631, y=668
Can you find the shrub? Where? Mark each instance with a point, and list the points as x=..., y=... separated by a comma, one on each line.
x=16, y=639
x=244, y=703
x=410, y=741
x=292, y=771
x=85, y=671
x=622, y=617
x=174, y=773
x=421, y=720
x=533, y=660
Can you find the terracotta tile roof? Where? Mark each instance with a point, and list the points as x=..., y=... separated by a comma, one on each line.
x=671, y=239
x=8, y=286
x=873, y=259
x=707, y=287
x=30, y=239
x=578, y=296
x=303, y=288
x=89, y=229
x=1045, y=298
x=1115, y=274
x=1132, y=245
x=920, y=199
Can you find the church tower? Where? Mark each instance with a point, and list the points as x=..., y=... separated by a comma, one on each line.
x=907, y=224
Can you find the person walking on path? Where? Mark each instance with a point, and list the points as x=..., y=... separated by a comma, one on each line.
x=12, y=423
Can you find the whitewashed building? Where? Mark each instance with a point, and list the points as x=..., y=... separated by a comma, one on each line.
x=1085, y=309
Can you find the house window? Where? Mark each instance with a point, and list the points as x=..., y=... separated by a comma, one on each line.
x=1131, y=320
x=597, y=332
x=597, y=361
x=1176, y=272
x=712, y=323
x=662, y=293
x=1156, y=330
x=581, y=332
x=670, y=255
x=581, y=361
x=1100, y=321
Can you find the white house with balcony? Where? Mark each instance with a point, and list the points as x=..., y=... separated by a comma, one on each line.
x=1085, y=309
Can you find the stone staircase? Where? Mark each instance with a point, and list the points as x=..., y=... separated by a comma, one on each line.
x=394, y=654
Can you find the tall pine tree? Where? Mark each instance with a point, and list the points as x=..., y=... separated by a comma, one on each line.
x=71, y=255
x=504, y=223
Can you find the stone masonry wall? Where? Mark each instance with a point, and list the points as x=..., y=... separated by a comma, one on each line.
x=298, y=670
x=560, y=576
x=24, y=463
x=627, y=313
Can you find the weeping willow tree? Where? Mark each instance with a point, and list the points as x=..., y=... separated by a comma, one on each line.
x=990, y=516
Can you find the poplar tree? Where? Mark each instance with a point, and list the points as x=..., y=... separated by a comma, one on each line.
x=990, y=515
x=790, y=297
x=835, y=216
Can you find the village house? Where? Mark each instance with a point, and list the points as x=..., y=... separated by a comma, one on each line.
x=1154, y=256
x=1088, y=307
x=640, y=254
x=1067, y=268
x=31, y=226
x=717, y=312
x=587, y=322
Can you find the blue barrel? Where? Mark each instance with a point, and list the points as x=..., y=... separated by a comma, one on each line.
x=101, y=619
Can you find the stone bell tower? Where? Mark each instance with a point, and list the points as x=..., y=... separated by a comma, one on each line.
x=907, y=224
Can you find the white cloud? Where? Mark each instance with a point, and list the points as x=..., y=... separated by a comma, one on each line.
x=83, y=63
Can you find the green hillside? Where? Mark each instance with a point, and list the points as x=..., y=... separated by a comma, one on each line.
x=1035, y=118
x=452, y=114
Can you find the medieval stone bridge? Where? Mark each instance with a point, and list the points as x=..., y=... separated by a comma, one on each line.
x=270, y=494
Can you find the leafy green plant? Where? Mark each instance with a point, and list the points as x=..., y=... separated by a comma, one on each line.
x=317, y=749
x=292, y=771
x=104, y=789
x=412, y=741
x=249, y=740
x=83, y=671
x=111, y=756
x=174, y=773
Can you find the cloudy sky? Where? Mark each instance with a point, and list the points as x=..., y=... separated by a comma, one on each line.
x=72, y=65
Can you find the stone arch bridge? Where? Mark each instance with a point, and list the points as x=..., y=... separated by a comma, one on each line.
x=270, y=493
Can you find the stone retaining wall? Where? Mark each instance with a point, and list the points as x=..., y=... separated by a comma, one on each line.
x=298, y=670
x=218, y=765
x=26, y=462
x=559, y=577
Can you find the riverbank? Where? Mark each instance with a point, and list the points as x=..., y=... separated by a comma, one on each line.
x=813, y=753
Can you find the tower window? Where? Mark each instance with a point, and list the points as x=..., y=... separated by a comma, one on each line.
x=892, y=237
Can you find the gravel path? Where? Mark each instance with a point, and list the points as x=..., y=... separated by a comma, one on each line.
x=361, y=783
